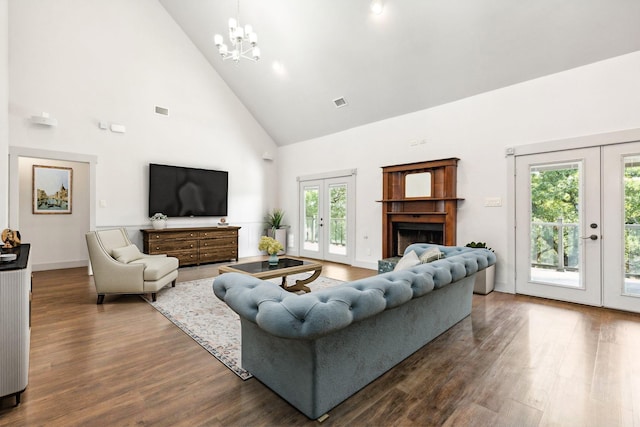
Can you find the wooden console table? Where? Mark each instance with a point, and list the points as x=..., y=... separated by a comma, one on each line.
x=193, y=246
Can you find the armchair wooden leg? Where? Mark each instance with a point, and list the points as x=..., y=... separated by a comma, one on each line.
x=173, y=284
x=153, y=296
x=100, y=299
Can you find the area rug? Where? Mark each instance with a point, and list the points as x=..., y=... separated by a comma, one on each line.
x=193, y=307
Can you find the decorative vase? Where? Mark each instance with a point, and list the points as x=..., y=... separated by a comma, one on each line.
x=273, y=259
x=159, y=224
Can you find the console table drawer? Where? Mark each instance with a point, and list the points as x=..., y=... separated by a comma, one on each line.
x=173, y=245
x=214, y=243
x=219, y=234
x=173, y=235
x=218, y=254
x=185, y=258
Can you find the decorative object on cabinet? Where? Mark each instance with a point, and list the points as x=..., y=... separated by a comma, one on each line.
x=158, y=221
x=10, y=238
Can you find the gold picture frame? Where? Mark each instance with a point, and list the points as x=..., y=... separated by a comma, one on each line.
x=52, y=189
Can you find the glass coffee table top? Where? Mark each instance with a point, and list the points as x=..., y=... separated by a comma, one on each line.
x=286, y=266
x=262, y=266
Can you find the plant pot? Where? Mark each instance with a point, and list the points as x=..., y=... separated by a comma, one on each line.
x=159, y=224
x=485, y=280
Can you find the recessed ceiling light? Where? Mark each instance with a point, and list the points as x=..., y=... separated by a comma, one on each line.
x=278, y=67
x=376, y=6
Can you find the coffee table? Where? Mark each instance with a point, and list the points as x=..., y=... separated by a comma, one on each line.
x=285, y=267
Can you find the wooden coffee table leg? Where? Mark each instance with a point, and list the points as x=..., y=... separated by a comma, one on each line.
x=300, y=284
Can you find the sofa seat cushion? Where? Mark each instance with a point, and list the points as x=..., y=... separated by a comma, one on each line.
x=156, y=267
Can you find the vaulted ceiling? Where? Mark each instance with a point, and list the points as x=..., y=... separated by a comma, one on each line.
x=415, y=55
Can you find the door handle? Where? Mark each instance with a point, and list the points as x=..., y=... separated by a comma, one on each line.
x=592, y=237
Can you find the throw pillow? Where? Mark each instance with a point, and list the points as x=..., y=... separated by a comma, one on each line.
x=407, y=261
x=126, y=254
x=429, y=255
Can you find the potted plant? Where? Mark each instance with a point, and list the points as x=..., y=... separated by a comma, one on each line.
x=272, y=247
x=275, y=228
x=485, y=279
x=158, y=220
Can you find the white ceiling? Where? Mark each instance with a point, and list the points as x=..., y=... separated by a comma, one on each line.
x=415, y=55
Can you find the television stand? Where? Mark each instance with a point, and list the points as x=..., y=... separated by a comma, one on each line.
x=193, y=245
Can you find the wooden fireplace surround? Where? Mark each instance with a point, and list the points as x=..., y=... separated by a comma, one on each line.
x=439, y=208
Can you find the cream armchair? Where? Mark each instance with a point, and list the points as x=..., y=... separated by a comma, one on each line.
x=120, y=268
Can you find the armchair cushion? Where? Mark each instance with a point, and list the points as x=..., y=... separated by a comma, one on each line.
x=126, y=254
x=157, y=267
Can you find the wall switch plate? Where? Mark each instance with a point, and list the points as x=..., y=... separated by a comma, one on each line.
x=118, y=128
x=493, y=202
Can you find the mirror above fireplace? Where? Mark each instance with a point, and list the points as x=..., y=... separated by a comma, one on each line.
x=417, y=185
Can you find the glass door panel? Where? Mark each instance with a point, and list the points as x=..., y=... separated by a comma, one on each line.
x=555, y=217
x=631, y=285
x=557, y=225
x=311, y=220
x=621, y=214
x=338, y=219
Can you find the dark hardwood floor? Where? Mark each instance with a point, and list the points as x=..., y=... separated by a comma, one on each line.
x=516, y=361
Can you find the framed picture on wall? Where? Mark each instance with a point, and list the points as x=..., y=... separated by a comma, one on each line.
x=52, y=189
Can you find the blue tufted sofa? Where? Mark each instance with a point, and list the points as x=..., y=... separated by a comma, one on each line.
x=316, y=350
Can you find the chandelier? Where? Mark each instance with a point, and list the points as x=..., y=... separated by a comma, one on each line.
x=244, y=42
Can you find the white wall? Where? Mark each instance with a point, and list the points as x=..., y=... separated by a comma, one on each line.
x=114, y=61
x=4, y=113
x=597, y=98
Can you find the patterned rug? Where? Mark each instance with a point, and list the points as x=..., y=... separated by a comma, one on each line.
x=193, y=307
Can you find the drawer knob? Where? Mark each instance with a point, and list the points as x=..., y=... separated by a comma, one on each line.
x=157, y=248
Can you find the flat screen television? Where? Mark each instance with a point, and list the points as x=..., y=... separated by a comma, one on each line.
x=186, y=192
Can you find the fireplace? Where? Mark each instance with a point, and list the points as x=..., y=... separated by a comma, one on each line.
x=407, y=233
x=424, y=215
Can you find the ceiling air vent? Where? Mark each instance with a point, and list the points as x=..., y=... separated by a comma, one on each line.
x=161, y=110
x=340, y=102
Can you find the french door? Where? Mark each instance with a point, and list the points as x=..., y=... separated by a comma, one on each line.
x=326, y=219
x=578, y=225
x=558, y=225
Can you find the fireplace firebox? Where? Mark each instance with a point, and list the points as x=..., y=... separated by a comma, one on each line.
x=407, y=233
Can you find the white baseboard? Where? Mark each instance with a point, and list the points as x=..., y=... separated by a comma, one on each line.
x=59, y=265
x=366, y=264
